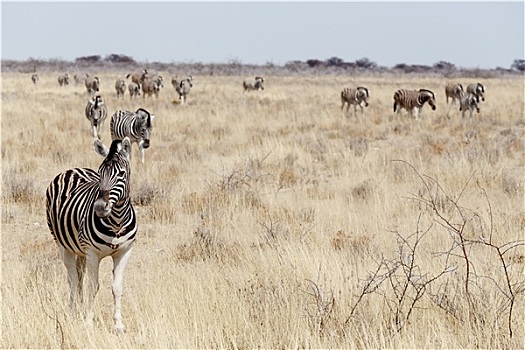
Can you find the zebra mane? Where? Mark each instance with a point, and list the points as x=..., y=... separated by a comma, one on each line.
x=114, y=149
x=148, y=116
x=426, y=90
x=362, y=87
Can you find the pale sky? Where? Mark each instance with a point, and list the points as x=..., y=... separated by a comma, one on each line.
x=467, y=34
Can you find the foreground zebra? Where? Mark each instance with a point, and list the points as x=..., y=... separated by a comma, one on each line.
x=355, y=96
x=135, y=125
x=90, y=216
x=454, y=91
x=469, y=102
x=413, y=100
x=96, y=113
x=477, y=89
x=255, y=85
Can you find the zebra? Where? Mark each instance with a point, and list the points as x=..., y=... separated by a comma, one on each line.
x=135, y=125
x=120, y=87
x=79, y=79
x=257, y=84
x=454, y=91
x=90, y=216
x=92, y=84
x=183, y=87
x=470, y=101
x=477, y=89
x=96, y=113
x=34, y=78
x=63, y=79
x=413, y=100
x=138, y=78
x=150, y=87
x=354, y=96
x=134, y=90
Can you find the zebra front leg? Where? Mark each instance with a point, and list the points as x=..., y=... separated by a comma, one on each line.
x=92, y=262
x=120, y=261
x=141, y=151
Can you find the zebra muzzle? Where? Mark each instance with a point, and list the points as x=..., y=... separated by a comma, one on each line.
x=102, y=206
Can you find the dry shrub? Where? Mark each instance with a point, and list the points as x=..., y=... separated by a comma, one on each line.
x=206, y=245
x=359, y=146
x=363, y=191
x=343, y=241
x=145, y=194
x=287, y=178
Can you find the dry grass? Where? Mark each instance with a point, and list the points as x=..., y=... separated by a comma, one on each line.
x=262, y=215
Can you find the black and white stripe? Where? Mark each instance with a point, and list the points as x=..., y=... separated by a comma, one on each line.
x=454, y=91
x=413, y=100
x=135, y=125
x=469, y=102
x=90, y=216
x=355, y=96
x=96, y=113
x=477, y=89
x=255, y=85
x=34, y=78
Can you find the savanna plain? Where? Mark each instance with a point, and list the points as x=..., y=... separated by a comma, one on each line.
x=271, y=219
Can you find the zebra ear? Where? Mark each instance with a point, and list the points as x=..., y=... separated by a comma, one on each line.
x=126, y=146
x=100, y=148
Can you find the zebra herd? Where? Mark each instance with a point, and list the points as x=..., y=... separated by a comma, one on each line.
x=414, y=100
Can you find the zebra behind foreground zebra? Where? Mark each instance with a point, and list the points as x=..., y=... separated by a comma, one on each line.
x=477, y=89
x=413, y=100
x=135, y=125
x=354, y=96
x=469, y=102
x=96, y=113
x=90, y=216
x=454, y=91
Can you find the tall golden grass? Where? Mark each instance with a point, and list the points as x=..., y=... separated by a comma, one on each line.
x=272, y=220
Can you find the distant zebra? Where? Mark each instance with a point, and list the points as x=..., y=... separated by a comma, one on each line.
x=134, y=90
x=34, y=78
x=150, y=87
x=477, y=89
x=454, y=91
x=138, y=78
x=96, y=113
x=90, y=216
x=469, y=102
x=63, y=79
x=354, y=96
x=413, y=100
x=135, y=125
x=79, y=79
x=92, y=84
x=120, y=87
x=257, y=84
x=183, y=87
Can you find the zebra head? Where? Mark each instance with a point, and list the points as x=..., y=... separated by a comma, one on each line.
x=480, y=91
x=144, y=119
x=362, y=94
x=114, y=175
x=427, y=95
